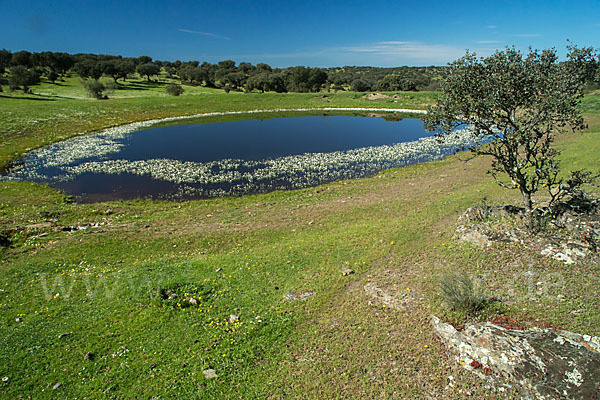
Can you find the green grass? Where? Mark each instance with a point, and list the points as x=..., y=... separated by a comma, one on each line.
x=240, y=256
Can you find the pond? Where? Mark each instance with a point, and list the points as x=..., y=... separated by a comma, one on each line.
x=229, y=158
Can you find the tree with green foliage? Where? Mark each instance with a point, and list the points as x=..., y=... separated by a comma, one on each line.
x=234, y=79
x=262, y=67
x=22, y=58
x=148, y=70
x=394, y=82
x=52, y=76
x=259, y=82
x=109, y=68
x=520, y=102
x=360, y=85
x=316, y=79
x=5, y=57
x=143, y=60
x=23, y=77
x=303, y=79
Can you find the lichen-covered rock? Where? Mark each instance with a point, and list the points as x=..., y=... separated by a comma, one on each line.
x=547, y=363
x=570, y=238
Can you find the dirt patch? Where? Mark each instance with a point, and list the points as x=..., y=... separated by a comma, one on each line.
x=377, y=96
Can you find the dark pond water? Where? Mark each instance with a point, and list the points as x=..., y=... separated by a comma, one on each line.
x=230, y=158
x=255, y=140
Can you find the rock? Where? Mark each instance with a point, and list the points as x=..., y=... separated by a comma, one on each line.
x=56, y=386
x=473, y=214
x=18, y=319
x=569, y=238
x=346, y=271
x=299, y=296
x=209, y=374
x=476, y=237
x=546, y=363
x=233, y=318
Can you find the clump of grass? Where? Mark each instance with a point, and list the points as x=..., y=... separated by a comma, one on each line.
x=459, y=292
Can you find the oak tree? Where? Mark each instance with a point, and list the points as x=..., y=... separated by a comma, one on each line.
x=518, y=104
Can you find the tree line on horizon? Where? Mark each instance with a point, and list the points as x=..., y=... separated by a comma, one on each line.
x=27, y=68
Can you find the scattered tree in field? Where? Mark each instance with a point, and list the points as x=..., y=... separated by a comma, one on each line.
x=174, y=89
x=110, y=68
x=22, y=77
x=521, y=102
x=52, y=76
x=124, y=68
x=148, y=70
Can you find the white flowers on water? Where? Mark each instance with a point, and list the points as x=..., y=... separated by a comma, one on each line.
x=88, y=154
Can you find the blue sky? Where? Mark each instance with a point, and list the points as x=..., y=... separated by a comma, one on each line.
x=288, y=33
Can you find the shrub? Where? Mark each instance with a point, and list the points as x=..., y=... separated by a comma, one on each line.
x=95, y=89
x=174, y=89
x=460, y=293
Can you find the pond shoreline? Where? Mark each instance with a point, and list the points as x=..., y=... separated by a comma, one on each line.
x=58, y=164
x=133, y=126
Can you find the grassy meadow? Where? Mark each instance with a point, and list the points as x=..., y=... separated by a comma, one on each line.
x=91, y=295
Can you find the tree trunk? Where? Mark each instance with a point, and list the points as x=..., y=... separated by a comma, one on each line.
x=528, y=209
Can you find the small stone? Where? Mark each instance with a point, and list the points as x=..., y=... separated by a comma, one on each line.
x=300, y=295
x=209, y=374
x=18, y=319
x=305, y=295
x=233, y=318
x=290, y=296
x=56, y=385
x=347, y=271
